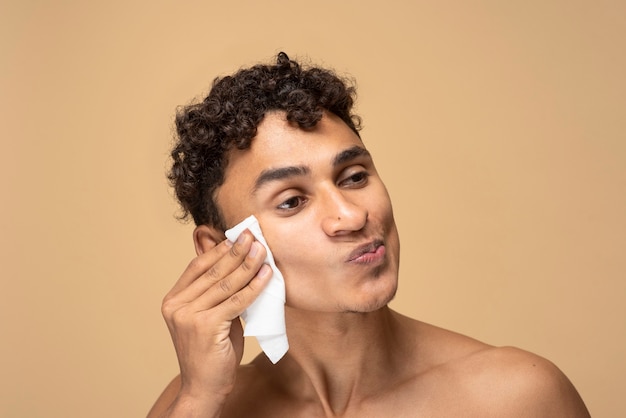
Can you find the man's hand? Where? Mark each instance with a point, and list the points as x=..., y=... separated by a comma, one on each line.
x=202, y=313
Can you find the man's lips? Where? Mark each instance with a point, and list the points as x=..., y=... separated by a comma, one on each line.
x=369, y=248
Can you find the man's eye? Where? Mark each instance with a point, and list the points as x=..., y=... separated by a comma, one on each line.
x=291, y=203
x=357, y=179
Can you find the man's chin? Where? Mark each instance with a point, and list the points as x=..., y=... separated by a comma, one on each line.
x=373, y=304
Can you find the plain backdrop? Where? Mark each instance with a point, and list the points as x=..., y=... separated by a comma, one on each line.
x=498, y=126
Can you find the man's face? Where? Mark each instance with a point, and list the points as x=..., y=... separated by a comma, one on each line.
x=323, y=210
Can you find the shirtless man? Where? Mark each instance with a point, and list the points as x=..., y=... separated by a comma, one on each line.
x=280, y=142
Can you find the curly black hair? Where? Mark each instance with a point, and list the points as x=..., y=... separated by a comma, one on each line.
x=229, y=116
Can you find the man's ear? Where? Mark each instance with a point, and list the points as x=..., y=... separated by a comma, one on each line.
x=206, y=237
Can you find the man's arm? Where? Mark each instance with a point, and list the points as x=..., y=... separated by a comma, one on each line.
x=202, y=314
x=166, y=398
x=169, y=405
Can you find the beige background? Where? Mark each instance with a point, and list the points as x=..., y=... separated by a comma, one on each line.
x=499, y=127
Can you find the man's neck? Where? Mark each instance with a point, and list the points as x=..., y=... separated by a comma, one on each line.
x=341, y=358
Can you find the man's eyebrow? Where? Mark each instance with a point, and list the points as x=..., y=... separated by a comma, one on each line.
x=350, y=154
x=281, y=173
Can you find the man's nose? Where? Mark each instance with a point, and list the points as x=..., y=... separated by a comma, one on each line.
x=342, y=215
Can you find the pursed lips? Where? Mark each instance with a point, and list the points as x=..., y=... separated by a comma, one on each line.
x=370, y=247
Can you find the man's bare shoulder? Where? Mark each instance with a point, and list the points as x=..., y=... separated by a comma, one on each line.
x=515, y=381
x=495, y=381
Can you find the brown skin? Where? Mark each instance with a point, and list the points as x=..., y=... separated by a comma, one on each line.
x=350, y=355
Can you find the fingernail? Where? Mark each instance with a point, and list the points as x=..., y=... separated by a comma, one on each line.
x=254, y=249
x=241, y=238
x=264, y=271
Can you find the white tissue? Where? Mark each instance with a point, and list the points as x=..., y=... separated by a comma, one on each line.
x=265, y=318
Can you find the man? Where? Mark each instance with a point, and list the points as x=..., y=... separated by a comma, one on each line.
x=281, y=142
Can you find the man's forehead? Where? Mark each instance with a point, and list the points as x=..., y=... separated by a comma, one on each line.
x=281, y=150
x=281, y=143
